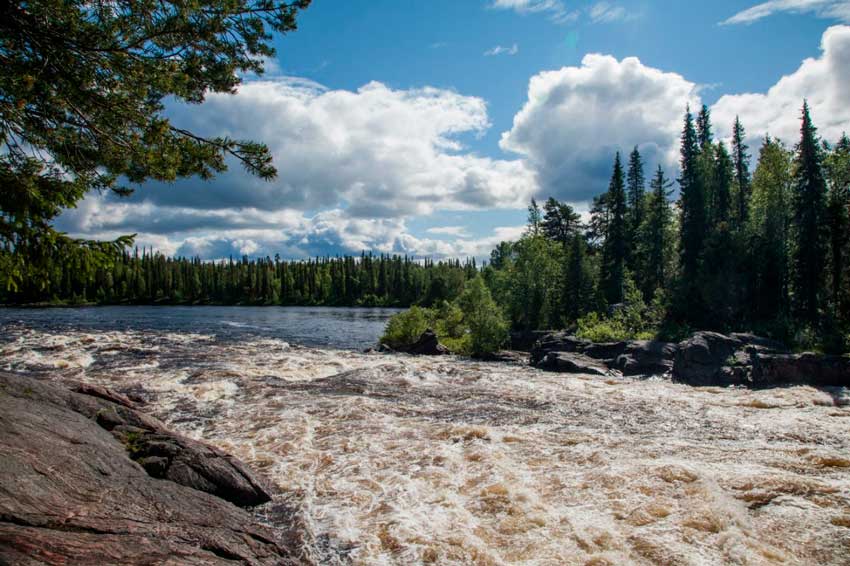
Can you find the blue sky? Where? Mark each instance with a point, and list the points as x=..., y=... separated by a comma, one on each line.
x=424, y=127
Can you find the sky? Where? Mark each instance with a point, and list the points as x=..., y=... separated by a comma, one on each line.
x=425, y=128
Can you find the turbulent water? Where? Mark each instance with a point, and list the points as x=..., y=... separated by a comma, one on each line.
x=398, y=460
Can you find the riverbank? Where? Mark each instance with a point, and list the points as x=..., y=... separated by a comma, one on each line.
x=399, y=460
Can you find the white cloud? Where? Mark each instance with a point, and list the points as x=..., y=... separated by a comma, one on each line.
x=577, y=117
x=555, y=9
x=832, y=9
x=499, y=50
x=823, y=81
x=604, y=13
x=458, y=231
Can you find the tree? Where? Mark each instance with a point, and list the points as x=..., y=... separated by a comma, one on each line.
x=485, y=319
x=82, y=90
x=578, y=297
x=693, y=220
x=615, y=247
x=704, y=134
x=655, y=236
x=535, y=218
x=635, y=188
x=560, y=221
x=722, y=185
x=808, y=253
x=837, y=166
x=741, y=164
x=767, y=231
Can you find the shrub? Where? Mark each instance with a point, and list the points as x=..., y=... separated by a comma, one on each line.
x=406, y=327
x=634, y=320
x=488, y=327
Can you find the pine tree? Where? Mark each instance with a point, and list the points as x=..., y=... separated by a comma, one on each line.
x=722, y=185
x=559, y=221
x=741, y=164
x=578, y=290
x=655, y=236
x=837, y=166
x=693, y=225
x=808, y=249
x=615, y=247
x=636, y=187
x=535, y=218
x=705, y=136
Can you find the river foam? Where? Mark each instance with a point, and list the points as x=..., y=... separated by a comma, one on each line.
x=399, y=460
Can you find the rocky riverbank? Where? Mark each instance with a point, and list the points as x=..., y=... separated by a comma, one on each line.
x=90, y=479
x=704, y=359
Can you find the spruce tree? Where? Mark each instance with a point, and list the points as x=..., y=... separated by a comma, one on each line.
x=741, y=164
x=616, y=246
x=654, y=236
x=722, y=185
x=578, y=294
x=837, y=166
x=693, y=221
x=705, y=136
x=636, y=187
x=808, y=248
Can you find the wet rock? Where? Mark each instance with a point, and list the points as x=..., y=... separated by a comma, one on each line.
x=646, y=357
x=571, y=362
x=506, y=357
x=801, y=369
x=76, y=496
x=556, y=342
x=607, y=351
x=427, y=345
x=708, y=358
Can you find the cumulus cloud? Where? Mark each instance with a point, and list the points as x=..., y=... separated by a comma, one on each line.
x=555, y=9
x=375, y=151
x=832, y=9
x=823, y=81
x=577, y=117
x=500, y=50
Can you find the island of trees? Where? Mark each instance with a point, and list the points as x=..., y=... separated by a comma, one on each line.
x=765, y=252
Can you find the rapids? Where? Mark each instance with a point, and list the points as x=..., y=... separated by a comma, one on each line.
x=397, y=460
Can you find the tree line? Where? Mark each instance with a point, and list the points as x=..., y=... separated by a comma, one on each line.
x=147, y=277
x=763, y=251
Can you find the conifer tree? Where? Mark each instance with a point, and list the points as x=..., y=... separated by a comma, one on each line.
x=655, y=237
x=535, y=218
x=578, y=294
x=808, y=249
x=636, y=187
x=705, y=136
x=837, y=166
x=741, y=164
x=559, y=221
x=693, y=220
x=722, y=181
x=616, y=245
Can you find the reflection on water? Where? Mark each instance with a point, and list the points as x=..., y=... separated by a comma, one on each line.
x=398, y=460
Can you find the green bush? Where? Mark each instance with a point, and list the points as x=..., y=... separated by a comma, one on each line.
x=634, y=320
x=406, y=327
x=488, y=327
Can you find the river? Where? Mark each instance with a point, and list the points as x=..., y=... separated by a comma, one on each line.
x=385, y=459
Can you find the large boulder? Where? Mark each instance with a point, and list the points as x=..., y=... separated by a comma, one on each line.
x=646, y=357
x=427, y=345
x=556, y=342
x=709, y=358
x=571, y=362
x=72, y=493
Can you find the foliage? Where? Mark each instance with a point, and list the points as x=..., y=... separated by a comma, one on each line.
x=405, y=328
x=633, y=320
x=487, y=325
x=82, y=91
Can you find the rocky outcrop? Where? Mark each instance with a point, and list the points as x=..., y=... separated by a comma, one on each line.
x=704, y=359
x=572, y=362
x=427, y=345
x=88, y=479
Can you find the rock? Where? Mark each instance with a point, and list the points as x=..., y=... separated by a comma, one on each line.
x=427, y=345
x=72, y=494
x=506, y=357
x=556, y=342
x=802, y=369
x=571, y=362
x=608, y=351
x=706, y=359
x=646, y=357
x=759, y=343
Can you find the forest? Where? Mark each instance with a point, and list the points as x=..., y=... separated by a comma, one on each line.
x=763, y=251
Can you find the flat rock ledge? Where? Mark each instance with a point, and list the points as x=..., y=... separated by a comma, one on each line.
x=89, y=479
x=703, y=359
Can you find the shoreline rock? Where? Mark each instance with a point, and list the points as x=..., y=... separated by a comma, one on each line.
x=75, y=491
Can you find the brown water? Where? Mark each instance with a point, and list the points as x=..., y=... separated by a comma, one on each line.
x=396, y=460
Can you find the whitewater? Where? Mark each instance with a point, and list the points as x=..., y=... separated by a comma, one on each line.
x=389, y=459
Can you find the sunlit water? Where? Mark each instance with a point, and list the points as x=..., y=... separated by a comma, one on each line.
x=399, y=460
